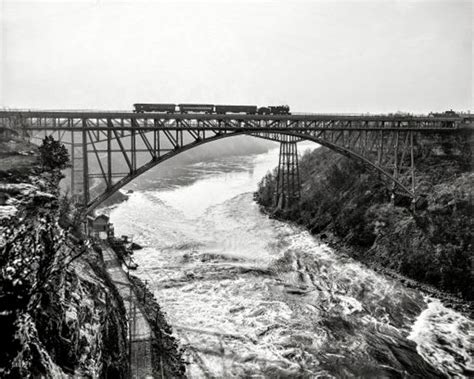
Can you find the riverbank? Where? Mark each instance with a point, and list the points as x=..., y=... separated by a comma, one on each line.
x=349, y=207
x=450, y=300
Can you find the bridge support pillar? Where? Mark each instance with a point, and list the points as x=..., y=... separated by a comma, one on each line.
x=79, y=175
x=288, y=175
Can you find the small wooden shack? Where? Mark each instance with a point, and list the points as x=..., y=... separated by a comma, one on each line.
x=100, y=223
x=100, y=227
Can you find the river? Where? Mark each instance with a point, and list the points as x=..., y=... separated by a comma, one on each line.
x=249, y=296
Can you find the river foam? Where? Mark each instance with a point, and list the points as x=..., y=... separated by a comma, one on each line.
x=445, y=338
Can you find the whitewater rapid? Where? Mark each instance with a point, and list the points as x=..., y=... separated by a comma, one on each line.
x=249, y=296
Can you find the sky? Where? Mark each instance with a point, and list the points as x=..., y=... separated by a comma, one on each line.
x=316, y=56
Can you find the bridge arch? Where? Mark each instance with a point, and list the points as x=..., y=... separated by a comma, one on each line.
x=274, y=136
x=149, y=165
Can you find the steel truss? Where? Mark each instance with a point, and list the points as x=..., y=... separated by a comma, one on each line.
x=288, y=174
x=109, y=149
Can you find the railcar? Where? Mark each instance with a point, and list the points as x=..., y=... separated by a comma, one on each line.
x=196, y=108
x=160, y=108
x=264, y=110
x=248, y=109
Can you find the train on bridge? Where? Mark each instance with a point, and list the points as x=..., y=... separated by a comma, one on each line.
x=449, y=113
x=211, y=109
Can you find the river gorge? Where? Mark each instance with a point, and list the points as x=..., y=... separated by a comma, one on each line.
x=250, y=296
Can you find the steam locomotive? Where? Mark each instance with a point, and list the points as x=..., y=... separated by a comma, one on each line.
x=449, y=113
x=211, y=109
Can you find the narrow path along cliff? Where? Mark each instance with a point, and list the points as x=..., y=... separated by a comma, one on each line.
x=140, y=334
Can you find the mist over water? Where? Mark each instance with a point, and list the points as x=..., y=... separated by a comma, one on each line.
x=249, y=296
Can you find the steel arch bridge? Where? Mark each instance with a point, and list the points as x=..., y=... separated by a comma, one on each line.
x=110, y=149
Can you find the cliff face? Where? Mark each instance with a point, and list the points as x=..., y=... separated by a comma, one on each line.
x=433, y=245
x=59, y=315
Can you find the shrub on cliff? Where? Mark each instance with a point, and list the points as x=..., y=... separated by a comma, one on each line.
x=53, y=154
x=266, y=190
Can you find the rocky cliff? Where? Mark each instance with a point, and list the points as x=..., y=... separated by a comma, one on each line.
x=346, y=202
x=59, y=315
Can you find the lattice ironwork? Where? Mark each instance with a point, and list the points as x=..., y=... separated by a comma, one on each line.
x=288, y=174
x=109, y=149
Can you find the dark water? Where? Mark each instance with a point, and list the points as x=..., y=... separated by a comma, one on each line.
x=253, y=297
